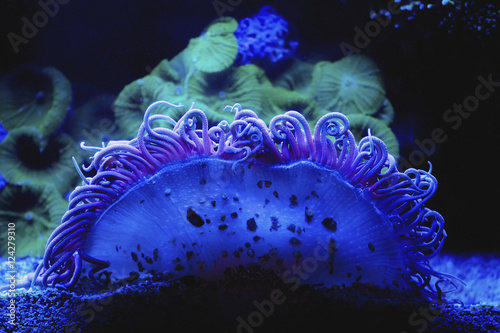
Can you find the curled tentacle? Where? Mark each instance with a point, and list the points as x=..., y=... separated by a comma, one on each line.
x=332, y=124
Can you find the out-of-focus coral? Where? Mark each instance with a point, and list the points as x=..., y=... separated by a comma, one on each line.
x=94, y=121
x=132, y=101
x=291, y=90
x=247, y=84
x=216, y=48
x=282, y=99
x=296, y=77
x=29, y=158
x=36, y=210
x=351, y=85
x=385, y=112
x=172, y=81
x=207, y=74
x=36, y=96
x=360, y=124
x=265, y=38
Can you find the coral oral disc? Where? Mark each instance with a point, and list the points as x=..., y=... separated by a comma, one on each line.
x=213, y=218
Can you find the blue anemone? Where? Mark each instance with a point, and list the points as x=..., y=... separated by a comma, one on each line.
x=192, y=200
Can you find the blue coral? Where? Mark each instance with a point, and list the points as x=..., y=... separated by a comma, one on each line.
x=3, y=132
x=265, y=38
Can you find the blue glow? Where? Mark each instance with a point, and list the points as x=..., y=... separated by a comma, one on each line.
x=480, y=273
x=3, y=132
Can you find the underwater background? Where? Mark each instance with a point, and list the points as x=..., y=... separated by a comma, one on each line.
x=439, y=62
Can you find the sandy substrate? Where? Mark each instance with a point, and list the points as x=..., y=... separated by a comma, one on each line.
x=243, y=301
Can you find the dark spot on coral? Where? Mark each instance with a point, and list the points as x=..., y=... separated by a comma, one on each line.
x=295, y=241
x=178, y=267
x=265, y=257
x=293, y=201
x=299, y=231
x=358, y=268
x=183, y=245
x=134, y=256
x=193, y=244
x=291, y=227
x=194, y=218
x=203, y=165
x=213, y=203
x=142, y=201
x=266, y=201
x=251, y=225
x=276, y=194
x=142, y=255
x=332, y=246
x=274, y=223
x=155, y=255
x=267, y=183
x=279, y=262
x=234, y=215
x=259, y=184
x=251, y=253
x=236, y=199
x=189, y=255
x=330, y=224
x=168, y=192
x=208, y=221
x=116, y=247
x=223, y=218
x=149, y=260
x=371, y=247
x=256, y=238
x=224, y=196
x=224, y=254
x=247, y=245
x=141, y=268
x=349, y=275
x=395, y=284
x=203, y=181
x=314, y=194
x=298, y=256
x=236, y=254
x=358, y=278
x=222, y=227
x=138, y=247
x=309, y=214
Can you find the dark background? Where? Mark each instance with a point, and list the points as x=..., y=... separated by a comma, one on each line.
x=101, y=46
